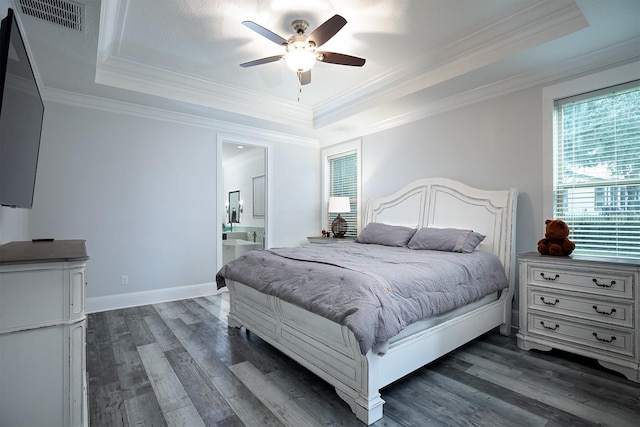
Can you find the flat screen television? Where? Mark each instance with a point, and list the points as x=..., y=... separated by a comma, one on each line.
x=21, y=114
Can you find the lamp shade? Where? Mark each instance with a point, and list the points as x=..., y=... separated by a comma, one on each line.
x=339, y=205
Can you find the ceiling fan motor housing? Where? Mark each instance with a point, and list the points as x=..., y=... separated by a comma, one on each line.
x=300, y=26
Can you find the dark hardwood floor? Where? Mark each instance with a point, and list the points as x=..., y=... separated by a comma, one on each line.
x=178, y=364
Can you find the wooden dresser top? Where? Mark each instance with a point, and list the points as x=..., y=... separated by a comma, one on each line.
x=43, y=251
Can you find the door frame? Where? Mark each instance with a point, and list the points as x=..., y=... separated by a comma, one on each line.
x=229, y=138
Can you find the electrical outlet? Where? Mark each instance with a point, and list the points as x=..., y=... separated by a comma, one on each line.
x=124, y=280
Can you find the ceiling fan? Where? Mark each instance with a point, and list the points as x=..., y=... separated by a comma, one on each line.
x=301, y=51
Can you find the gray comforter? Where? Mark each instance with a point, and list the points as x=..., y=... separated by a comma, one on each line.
x=373, y=290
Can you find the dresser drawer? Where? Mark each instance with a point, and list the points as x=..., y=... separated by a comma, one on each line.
x=618, y=313
x=600, y=282
x=608, y=339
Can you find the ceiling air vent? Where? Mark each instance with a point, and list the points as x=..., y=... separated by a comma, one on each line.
x=59, y=12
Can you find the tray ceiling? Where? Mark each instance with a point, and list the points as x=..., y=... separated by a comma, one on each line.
x=421, y=56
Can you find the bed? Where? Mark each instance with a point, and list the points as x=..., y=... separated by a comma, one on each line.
x=333, y=351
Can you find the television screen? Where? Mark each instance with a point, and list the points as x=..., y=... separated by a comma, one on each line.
x=21, y=114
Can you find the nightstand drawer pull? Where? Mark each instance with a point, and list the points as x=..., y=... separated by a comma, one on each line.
x=613, y=310
x=551, y=303
x=613, y=338
x=604, y=285
x=550, y=278
x=551, y=328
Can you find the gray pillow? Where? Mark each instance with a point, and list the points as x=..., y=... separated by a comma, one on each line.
x=446, y=239
x=384, y=234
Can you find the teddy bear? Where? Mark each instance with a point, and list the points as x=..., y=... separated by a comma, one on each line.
x=555, y=241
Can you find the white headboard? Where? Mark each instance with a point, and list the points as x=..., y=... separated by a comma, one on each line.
x=442, y=202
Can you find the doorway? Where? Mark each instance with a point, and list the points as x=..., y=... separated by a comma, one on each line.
x=243, y=198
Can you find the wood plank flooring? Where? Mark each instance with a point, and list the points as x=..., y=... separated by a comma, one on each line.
x=178, y=364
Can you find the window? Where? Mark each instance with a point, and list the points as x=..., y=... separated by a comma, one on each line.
x=342, y=178
x=343, y=173
x=596, y=181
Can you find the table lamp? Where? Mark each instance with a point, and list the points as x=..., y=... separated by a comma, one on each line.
x=339, y=205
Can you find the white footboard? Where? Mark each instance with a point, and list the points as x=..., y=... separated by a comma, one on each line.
x=324, y=347
x=331, y=351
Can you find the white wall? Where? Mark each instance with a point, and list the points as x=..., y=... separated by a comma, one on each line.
x=142, y=193
x=14, y=224
x=494, y=144
x=293, y=189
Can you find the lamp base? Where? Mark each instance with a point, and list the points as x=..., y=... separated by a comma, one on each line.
x=339, y=227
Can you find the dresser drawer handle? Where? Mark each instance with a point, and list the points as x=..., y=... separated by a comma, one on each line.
x=550, y=278
x=613, y=338
x=551, y=328
x=604, y=285
x=552, y=303
x=613, y=310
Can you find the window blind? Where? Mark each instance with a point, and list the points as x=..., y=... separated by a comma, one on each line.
x=597, y=170
x=343, y=181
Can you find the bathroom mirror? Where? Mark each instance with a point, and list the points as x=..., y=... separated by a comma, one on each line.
x=234, y=207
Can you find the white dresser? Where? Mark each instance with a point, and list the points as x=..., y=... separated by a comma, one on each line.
x=583, y=305
x=42, y=334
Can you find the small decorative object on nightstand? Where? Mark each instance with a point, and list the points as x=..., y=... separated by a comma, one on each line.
x=582, y=305
x=339, y=205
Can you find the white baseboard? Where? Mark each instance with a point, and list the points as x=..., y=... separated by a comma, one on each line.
x=133, y=299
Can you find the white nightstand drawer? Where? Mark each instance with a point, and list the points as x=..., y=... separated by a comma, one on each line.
x=610, y=312
x=608, y=339
x=597, y=281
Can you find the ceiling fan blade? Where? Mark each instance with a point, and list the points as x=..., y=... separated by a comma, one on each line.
x=327, y=30
x=262, y=61
x=305, y=77
x=264, y=32
x=341, y=59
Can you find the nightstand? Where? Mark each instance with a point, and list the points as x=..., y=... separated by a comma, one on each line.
x=318, y=240
x=583, y=305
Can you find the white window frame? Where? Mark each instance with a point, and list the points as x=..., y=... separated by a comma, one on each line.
x=611, y=77
x=332, y=151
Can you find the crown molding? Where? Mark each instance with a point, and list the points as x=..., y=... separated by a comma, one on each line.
x=114, y=69
x=540, y=23
x=137, y=110
x=622, y=53
x=130, y=75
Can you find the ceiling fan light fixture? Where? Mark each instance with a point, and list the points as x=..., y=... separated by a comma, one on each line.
x=300, y=48
x=300, y=58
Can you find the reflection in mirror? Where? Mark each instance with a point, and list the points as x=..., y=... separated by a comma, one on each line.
x=234, y=207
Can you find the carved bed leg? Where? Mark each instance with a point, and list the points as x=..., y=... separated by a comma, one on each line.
x=505, y=329
x=232, y=322
x=367, y=411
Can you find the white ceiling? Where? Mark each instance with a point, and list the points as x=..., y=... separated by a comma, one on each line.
x=423, y=56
